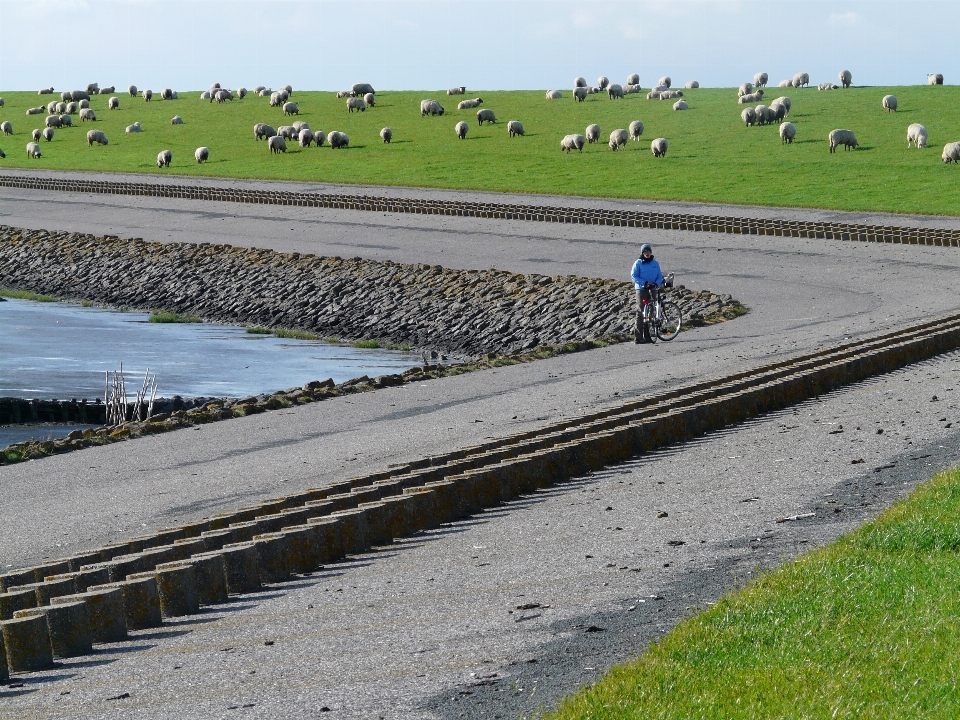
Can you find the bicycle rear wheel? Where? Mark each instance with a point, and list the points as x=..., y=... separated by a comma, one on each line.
x=670, y=321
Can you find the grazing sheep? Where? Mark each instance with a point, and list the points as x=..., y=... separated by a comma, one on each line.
x=288, y=132
x=2, y=154
x=338, y=140
x=801, y=79
x=653, y=95
x=761, y=113
x=132, y=90
x=951, y=153
x=760, y=80
x=615, y=91
x=258, y=88
x=572, y=142
x=221, y=96
x=148, y=95
x=36, y=110
x=788, y=131
x=66, y=121
x=96, y=136
x=745, y=89
x=785, y=84
x=66, y=95
x=291, y=108
x=631, y=89
x=693, y=85
x=633, y=79
x=46, y=91
x=262, y=131
x=54, y=121
x=827, y=86
x=300, y=125
x=206, y=95
x=215, y=87
x=580, y=94
x=166, y=94
x=106, y=90
x=72, y=108
x=37, y=134
x=77, y=95
x=750, y=98
x=370, y=99
x=277, y=144
x=276, y=99
x=84, y=104
x=554, y=95
x=47, y=134
x=636, y=129
x=462, y=90
x=593, y=133
x=305, y=137
x=618, y=138
x=666, y=81
x=659, y=147
x=164, y=157
x=842, y=137
x=749, y=116
x=592, y=90
x=113, y=103
x=62, y=108
x=846, y=78
x=935, y=79
x=579, y=82
x=93, y=88
x=176, y=120
x=319, y=137
x=202, y=154
x=52, y=107
x=779, y=113
x=341, y=94
x=241, y=92
x=363, y=89
x=288, y=89
x=603, y=82
x=353, y=103
x=469, y=104
x=515, y=127
x=917, y=135
x=430, y=107
x=671, y=94
x=681, y=105
x=135, y=128
x=33, y=150
x=783, y=100
x=485, y=115
x=386, y=134
x=265, y=92
x=890, y=103
x=88, y=114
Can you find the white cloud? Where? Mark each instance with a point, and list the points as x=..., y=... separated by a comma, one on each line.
x=846, y=19
x=583, y=19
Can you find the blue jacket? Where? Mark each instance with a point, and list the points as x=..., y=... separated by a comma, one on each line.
x=648, y=271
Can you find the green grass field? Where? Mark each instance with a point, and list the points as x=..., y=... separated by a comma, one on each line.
x=712, y=156
x=868, y=627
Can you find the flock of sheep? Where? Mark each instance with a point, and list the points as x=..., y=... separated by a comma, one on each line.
x=363, y=96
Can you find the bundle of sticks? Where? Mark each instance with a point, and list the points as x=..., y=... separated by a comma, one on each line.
x=119, y=410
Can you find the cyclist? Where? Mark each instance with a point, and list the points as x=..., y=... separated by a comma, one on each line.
x=647, y=279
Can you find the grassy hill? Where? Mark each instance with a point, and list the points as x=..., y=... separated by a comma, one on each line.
x=712, y=156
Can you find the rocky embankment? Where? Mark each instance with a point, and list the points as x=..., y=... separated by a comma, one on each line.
x=467, y=313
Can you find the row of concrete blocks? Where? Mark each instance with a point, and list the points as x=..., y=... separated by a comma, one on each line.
x=52, y=617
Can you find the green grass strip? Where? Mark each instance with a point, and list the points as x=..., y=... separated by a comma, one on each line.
x=868, y=627
x=295, y=334
x=258, y=330
x=172, y=317
x=27, y=295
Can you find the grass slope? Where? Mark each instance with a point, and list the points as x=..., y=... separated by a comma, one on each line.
x=868, y=627
x=712, y=156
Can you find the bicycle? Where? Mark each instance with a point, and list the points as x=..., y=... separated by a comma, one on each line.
x=667, y=318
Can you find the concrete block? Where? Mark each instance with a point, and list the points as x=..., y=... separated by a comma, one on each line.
x=158, y=555
x=244, y=531
x=330, y=541
x=378, y=530
x=211, y=577
x=353, y=530
x=124, y=565
x=24, y=576
x=268, y=524
x=195, y=529
x=421, y=508
x=179, y=594
x=303, y=548
x=108, y=621
x=141, y=601
x=4, y=672
x=240, y=564
x=272, y=557
x=16, y=599
x=400, y=515
x=445, y=500
x=191, y=546
x=52, y=589
x=69, y=628
x=76, y=562
x=216, y=539
x=41, y=572
x=170, y=536
x=296, y=516
x=27, y=643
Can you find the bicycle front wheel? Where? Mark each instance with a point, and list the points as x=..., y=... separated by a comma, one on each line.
x=670, y=321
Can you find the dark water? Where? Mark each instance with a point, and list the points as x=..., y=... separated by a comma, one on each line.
x=61, y=350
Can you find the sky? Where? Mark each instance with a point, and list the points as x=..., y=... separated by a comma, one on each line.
x=482, y=44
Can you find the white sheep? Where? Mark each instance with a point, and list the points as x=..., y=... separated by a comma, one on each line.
x=666, y=81
x=744, y=89
x=241, y=92
x=36, y=110
x=164, y=158
x=222, y=96
x=338, y=140
x=633, y=79
x=631, y=89
x=291, y=108
x=693, y=85
x=749, y=116
x=37, y=134
x=827, y=86
x=96, y=136
x=846, y=78
x=66, y=121
x=579, y=82
x=87, y=114
x=135, y=128
x=176, y=120
x=363, y=89
x=288, y=132
x=132, y=91
x=148, y=95
x=201, y=154
x=66, y=95
x=917, y=135
x=681, y=105
x=580, y=94
x=760, y=79
x=783, y=100
x=430, y=107
x=653, y=95
x=801, y=79
x=288, y=89
x=890, y=103
x=785, y=84
x=659, y=147
x=33, y=150
x=486, y=115
x=572, y=142
x=77, y=95
x=52, y=107
x=355, y=103
x=47, y=134
x=82, y=104
x=93, y=88
x=618, y=138
x=305, y=137
x=207, y=95
x=72, y=108
x=341, y=94
x=514, y=127
x=593, y=133
x=671, y=94
x=46, y=91
x=951, y=153
x=469, y=104
x=462, y=90
x=842, y=137
x=554, y=95
x=277, y=99
x=636, y=129
x=166, y=94
x=934, y=79
x=61, y=108
x=258, y=88
x=779, y=112
x=300, y=125
x=788, y=131
x=603, y=82
x=277, y=144
x=751, y=98
x=263, y=131
x=113, y=103
x=386, y=134
x=615, y=91
x=319, y=137
x=108, y=90
x=267, y=92
x=54, y=121
x=370, y=99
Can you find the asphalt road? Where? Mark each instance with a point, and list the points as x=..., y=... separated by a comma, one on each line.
x=398, y=633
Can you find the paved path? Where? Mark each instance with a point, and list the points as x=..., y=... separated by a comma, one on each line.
x=430, y=607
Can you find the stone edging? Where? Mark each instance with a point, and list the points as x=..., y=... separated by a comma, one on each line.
x=505, y=211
